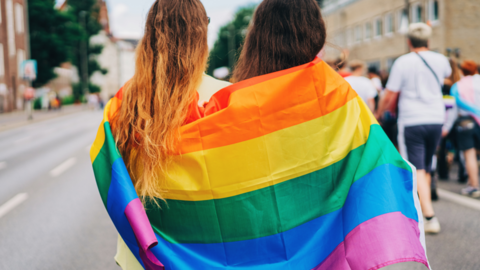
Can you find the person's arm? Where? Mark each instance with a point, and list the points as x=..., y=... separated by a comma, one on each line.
x=385, y=102
x=462, y=104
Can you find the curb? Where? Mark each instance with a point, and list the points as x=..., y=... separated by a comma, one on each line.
x=459, y=199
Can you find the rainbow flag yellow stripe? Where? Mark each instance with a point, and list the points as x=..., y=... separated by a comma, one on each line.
x=283, y=172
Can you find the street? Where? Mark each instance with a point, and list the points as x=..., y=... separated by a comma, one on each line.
x=62, y=224
x=52, y=218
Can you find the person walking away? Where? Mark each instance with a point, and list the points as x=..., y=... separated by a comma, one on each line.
x=467, y=96
x=418, y=78
x=165, y=93
x=362, y=85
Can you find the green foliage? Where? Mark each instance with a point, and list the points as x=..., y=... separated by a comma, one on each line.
x=92, y=27
x=68, y=100
x=219, y=55
x=37, y=104
x=53, y=35
x=93, y=88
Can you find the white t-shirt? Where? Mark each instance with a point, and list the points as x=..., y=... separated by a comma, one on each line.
x=421, y=99
x=363, y=86
x=209, y=87
x=377, y=83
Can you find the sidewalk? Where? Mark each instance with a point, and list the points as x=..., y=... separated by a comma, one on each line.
x=19, y=118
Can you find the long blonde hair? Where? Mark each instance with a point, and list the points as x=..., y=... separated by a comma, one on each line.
x=170, y=61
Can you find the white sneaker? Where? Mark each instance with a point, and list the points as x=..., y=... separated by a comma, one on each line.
x=471, y=191
x=432, y=225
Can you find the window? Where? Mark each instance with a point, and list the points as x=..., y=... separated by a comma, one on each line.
x=402, y=21
x=433, y=10
x=2, y=62
x=389, y=23
x=10, y=29
x=340, y=39
x=378, y=27
x=417, y=13
x=358, y=34
x=349, y=38
x=19, y=17
x=20, y=59
x=368, y=30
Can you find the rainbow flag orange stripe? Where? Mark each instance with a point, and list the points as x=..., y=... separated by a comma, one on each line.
x=286, y=171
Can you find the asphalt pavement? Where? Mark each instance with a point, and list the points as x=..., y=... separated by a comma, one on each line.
x=52, y=218
x=56, y=218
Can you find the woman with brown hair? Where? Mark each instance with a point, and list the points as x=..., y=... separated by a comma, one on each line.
x=283, y=34
x=162, y=96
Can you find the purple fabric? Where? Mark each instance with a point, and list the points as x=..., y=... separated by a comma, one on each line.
x=381, y=241
x=150, y=261
x=137, y=217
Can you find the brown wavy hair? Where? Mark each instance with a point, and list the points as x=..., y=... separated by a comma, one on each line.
x=283, y=34
x=170, y=61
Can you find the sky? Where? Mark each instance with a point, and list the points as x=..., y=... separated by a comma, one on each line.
x=127, y=17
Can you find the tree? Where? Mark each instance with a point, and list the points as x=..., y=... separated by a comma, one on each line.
x=231, y=36
x=90, y=26
x=53, y=35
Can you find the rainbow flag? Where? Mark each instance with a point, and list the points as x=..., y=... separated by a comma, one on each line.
x=286, y=171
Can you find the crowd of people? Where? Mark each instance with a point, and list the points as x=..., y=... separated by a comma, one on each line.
x=430, y=108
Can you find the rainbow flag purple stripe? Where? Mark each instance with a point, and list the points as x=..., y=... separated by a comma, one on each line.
x=287, y=171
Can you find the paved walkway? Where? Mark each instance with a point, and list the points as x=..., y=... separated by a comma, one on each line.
x=20, y=118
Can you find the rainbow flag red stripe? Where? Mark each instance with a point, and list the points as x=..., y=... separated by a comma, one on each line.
x=286, y=171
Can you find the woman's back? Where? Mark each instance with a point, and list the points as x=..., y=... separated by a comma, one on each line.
x=124, y=257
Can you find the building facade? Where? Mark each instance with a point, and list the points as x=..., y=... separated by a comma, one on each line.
x=374, y=30
x=13, y=51
x=117, y=57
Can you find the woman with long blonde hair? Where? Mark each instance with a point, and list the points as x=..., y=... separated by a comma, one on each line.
x=162, y=96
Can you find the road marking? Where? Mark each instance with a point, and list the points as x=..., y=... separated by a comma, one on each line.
x=63, y=167
x=12, y=203
x=3, y=165
x=459, y=199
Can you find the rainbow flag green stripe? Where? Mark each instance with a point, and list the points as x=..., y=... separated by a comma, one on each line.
x=268, y=211
x=106, y=157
